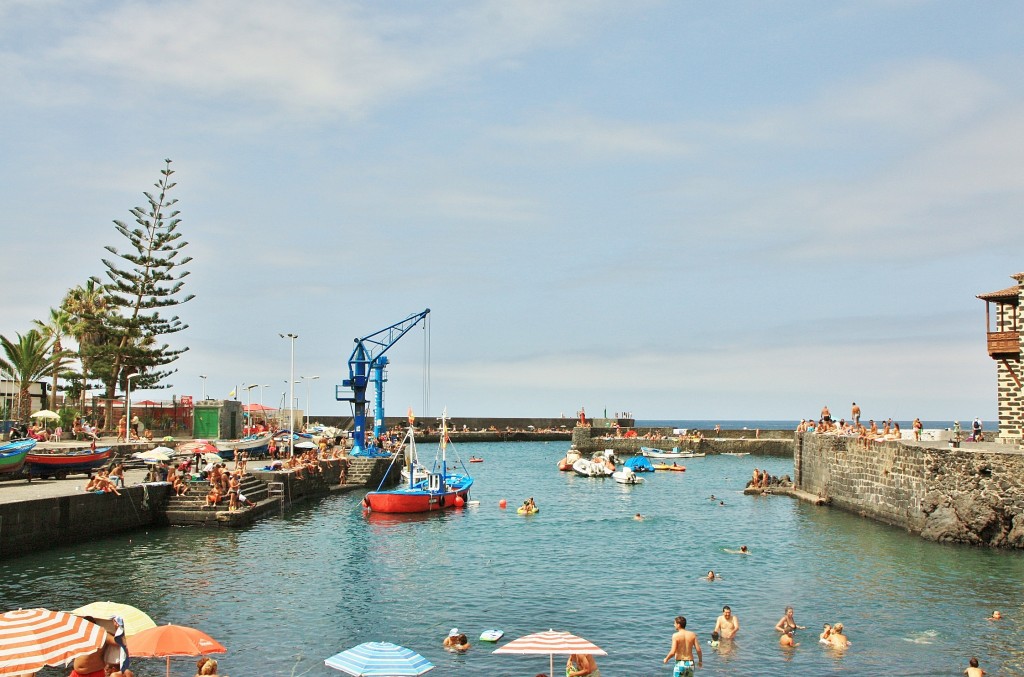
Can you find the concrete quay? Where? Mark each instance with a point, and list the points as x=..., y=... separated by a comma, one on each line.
x=47, y=513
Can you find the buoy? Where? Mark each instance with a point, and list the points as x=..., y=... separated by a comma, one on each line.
x=459, y=501
x=503, y=504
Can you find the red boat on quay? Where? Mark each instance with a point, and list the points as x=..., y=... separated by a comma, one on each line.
x=60, y=464
x=440, y=490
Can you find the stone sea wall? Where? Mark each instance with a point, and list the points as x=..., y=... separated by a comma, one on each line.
x=42, y=523
x=963, y=495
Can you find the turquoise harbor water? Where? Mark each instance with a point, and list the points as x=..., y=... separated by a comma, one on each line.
x=289, y=592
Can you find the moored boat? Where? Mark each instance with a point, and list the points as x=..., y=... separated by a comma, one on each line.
x=639, y=464
x=674, y=453
x=12, y=455
x=666, y=466
x=441, y=489
x=60, y=464
x=627, y=476
x=595, y=468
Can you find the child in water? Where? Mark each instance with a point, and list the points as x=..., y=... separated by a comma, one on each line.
x=714, y=638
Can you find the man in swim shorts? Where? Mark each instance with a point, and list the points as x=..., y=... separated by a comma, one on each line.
x=683, y=644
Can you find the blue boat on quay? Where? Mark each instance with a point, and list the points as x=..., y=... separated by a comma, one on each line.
x=12, y=456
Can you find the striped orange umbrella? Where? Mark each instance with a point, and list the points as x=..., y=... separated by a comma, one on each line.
x=32, y=638
x=551, y=642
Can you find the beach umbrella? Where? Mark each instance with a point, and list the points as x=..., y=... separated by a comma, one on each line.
x=152, y=456
x=32, y=638
x=210, y=457
x=135, y=620
x=305, y=444
x=46, y=414
x=164, y=641
x=379, y=659
x=551, y=642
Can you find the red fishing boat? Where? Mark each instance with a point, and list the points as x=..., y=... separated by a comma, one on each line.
x=60, y=464
x=439, y=491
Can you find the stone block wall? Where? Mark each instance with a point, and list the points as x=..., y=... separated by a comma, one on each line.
x=962, y=495
x=1010, y=398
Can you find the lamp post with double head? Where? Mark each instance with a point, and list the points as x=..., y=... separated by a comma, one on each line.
x=291, y=397
x=307, y=379
x=203, y=376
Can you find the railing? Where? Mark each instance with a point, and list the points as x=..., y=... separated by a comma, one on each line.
x=1003, y=343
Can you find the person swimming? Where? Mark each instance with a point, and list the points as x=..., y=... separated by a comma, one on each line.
x=996, y=616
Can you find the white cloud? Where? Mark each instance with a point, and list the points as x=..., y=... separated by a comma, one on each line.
x=313, y=57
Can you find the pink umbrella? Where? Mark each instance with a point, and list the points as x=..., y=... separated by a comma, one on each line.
x=551, y=642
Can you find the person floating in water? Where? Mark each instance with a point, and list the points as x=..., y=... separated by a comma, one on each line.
x=638, y=517
x=996, y=616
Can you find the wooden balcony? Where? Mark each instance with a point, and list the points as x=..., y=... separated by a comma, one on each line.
x=1003, y=344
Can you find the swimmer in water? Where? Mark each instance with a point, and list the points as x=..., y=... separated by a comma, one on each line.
x=996, y=616
x=742, y=551
x=711, y=576
x=826, y=633
x=786, y=640
x=974, y=670
x=638, y=517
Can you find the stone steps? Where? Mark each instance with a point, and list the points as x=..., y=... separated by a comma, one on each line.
x=191, y=508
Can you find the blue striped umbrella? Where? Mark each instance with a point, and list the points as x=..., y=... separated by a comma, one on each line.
x=379, y=659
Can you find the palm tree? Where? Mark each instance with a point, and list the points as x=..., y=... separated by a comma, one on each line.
x=27, y=361
x=87, y=305
x=56, y=328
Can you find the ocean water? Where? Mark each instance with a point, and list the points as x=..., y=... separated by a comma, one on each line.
x=288, y=592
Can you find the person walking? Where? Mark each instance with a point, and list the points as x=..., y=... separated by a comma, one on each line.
x=684, y=643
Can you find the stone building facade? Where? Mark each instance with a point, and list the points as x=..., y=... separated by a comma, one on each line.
x=1005, y=337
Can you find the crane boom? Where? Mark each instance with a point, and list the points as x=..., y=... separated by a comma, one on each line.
x=367, y=364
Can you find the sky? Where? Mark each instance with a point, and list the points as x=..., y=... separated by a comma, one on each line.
x=682, y=210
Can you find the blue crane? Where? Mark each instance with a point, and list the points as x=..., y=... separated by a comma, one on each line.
x=367, y=364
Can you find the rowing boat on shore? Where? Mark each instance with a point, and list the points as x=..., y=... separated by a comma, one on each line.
x=12, y=455
x=255, y=445
x=60, y=464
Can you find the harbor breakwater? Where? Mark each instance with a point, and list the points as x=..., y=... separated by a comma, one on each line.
x=588, y=440
x=969, y=495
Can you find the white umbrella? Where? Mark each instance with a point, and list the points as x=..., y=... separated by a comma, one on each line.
x=46, y=414
x=151, y=456
x=163, y=450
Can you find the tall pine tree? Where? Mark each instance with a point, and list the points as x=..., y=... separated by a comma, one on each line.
x=142, y=281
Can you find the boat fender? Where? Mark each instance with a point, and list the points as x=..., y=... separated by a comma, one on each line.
x=441, y=501
x=366, y=504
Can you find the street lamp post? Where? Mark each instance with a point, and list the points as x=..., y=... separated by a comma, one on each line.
x=248, y=389
x=128, y=406
x=307, y=379
x=203, y=376
x=291, y=397
x=265, y=385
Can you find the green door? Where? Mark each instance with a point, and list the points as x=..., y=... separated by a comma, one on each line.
x=205, y=424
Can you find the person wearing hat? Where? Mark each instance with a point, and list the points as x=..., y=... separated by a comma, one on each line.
x=456, y=641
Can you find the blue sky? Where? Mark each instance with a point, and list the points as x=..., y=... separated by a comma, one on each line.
x=684, y=210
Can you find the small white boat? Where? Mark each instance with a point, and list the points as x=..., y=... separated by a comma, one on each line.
x=675, y=453
x=627, y=476
x=589, y=468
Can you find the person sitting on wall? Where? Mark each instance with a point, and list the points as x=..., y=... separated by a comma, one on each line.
x=213, y=497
